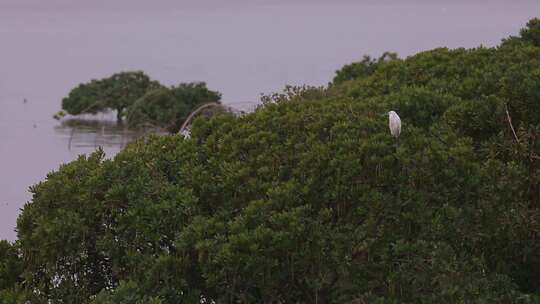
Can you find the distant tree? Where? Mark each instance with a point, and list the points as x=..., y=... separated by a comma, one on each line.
x=168, y=107
x=116, y=92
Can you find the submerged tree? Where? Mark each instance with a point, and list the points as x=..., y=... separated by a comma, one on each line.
x=168, y=107
x=116, y=92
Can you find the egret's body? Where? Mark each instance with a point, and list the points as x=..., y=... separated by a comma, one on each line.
x=394, y=122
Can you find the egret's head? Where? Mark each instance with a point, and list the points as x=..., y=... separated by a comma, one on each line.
x=387, y=114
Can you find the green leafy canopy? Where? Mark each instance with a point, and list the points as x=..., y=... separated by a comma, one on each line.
x=145, y=102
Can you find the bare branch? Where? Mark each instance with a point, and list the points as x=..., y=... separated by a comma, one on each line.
x=510, y=122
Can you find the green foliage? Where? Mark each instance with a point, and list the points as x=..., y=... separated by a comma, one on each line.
x=116, y=92
x=295, y=94
x=145, y=102
x=168, y=107
x=126, y=293
x=531, y=33
x=10, y=265
x=364, y=68
x=11, y=268
x=310, y=200
x=57, y=233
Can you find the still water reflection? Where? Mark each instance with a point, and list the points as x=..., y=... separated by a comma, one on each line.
x=93, y=133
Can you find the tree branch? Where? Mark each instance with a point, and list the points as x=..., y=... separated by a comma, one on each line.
x=510, y=122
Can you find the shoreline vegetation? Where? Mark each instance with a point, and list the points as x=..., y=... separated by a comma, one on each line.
x=140, y=101
x=307, y=199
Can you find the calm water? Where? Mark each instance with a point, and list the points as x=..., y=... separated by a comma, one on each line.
x=239, y=47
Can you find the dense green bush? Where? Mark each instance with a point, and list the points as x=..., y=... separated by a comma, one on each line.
x=310, y=200
x=11, y=268
x=364, y=68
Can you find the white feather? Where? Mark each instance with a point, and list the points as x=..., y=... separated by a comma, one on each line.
x=394, y=122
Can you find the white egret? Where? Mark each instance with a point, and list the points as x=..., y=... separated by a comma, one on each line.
x=394, y=122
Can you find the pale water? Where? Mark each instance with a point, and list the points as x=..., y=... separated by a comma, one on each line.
x=239, y=47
